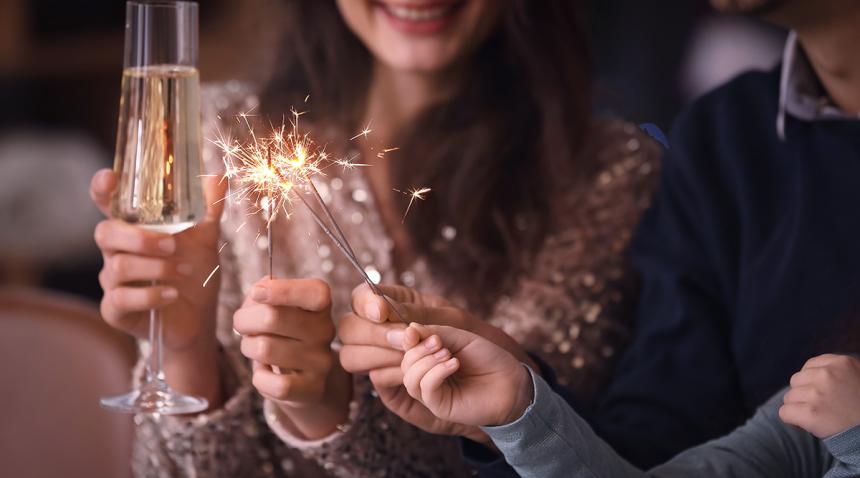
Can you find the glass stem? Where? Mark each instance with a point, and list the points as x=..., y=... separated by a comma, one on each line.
x=156, y=335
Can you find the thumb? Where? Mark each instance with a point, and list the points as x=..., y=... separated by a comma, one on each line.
x=214, y=190
x=410, y=303
x=452, y=338
x=102, y=187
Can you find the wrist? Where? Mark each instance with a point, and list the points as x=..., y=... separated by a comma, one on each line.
x=195, y=370
x=313, y=421
x=523, y=397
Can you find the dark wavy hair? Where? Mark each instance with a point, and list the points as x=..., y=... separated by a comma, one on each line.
x=495, y=154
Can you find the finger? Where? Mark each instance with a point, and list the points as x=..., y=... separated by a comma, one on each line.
x=214, y=190
x=353, y=330
x=124, y=300
x=114, y=236
x=288, y=322
x=429, y=346
x=431, y=383
x=309, y=294
x=285, y=353
x=821, y=361
x=410, y=303
x=415, y=373
x=797, y=414
x=451, y=337
x=818, y=376
x=364, y=358
x=101, y=189
x=124, y=268
x=387, y=377
x=801, y=394
x=288, y=387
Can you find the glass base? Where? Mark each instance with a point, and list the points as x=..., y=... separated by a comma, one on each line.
x=155, y=397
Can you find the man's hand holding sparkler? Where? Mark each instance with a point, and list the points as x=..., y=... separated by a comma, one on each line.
x=372, y=338
x=287, y=324
x=135, y=257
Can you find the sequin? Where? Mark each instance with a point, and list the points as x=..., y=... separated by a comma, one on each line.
x=373, y=274
x=359, y=195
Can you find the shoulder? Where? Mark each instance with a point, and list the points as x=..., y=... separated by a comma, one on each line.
x=745, y=108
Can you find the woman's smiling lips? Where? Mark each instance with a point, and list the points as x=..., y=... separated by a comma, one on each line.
x=419, y=17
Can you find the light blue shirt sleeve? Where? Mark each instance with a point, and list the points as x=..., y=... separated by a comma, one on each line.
x=551, y=440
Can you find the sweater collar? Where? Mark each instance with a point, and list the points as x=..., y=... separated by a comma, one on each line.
x=800, y=93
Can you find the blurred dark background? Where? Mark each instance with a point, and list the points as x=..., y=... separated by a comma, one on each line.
x=60, y=67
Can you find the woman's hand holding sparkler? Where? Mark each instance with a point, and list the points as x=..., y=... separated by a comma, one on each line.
x=372, y=338
x=287, y=324
x=134, y=258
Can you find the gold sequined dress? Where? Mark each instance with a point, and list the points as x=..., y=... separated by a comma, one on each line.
x=572, y=310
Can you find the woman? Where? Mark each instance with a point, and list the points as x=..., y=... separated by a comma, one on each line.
x=531, y=209
x=541, y=436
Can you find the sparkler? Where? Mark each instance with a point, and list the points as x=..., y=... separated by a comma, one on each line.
x=414, y=193
x=280, y=166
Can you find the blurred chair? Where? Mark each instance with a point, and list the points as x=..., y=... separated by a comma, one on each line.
x=56, y=359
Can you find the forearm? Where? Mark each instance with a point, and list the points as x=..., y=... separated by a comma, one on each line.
x=551, y=440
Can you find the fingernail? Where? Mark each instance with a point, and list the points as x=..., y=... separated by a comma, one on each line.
x=451, y=363
x=167, y=245
x=395, y=338
x=169, y=294
x=185, y=269
x=371, y=312
x=260, y=293
x=432, y=343
x=441, y=354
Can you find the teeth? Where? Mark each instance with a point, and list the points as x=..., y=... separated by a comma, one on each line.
x=417, y=14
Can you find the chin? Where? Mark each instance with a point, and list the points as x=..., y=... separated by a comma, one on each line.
x=417, y=60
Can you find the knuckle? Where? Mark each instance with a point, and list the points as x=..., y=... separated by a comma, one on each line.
x=347, y=359
x=264, y=347
x=269, y=319
x=119, y=264
x=100, y=233
x=322, y=294
x=282, y=388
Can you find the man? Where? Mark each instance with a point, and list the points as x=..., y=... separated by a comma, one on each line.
x=750, y=257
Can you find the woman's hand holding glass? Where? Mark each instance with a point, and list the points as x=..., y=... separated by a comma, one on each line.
x=287, y=332
x=135, y=258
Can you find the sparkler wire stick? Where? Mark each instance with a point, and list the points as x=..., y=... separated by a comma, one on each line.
x=346, y=250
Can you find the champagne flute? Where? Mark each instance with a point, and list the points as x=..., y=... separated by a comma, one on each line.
x=158, y=160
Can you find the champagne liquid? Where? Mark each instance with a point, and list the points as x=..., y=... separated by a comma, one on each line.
x=158, y=161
